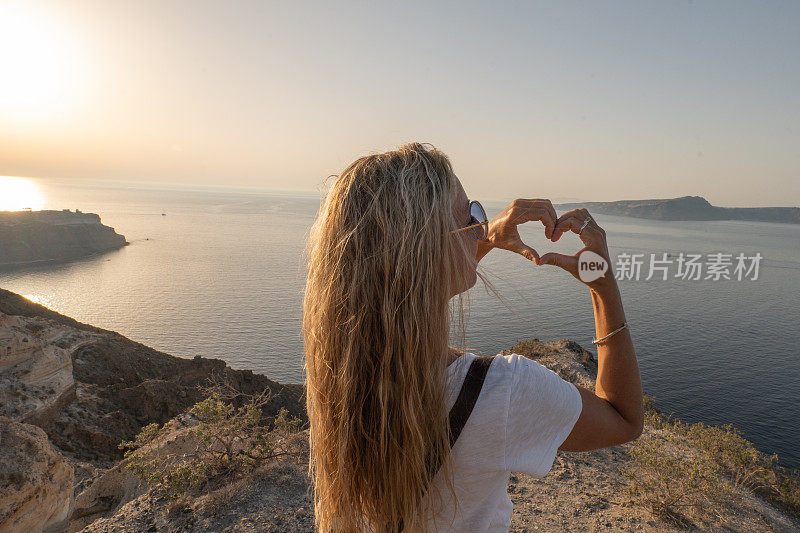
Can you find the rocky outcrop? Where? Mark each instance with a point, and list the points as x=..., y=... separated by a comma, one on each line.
x=36, y=368
x=273, y=498
x=40, y=236
x=116, y=386
x=89, y=389
x=106, y=493
x=565, y=357
x=36, y=482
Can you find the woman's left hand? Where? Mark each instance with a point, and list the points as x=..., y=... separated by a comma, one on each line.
x=503, y=228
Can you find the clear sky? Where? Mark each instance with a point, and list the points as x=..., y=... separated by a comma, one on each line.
x=589, y=100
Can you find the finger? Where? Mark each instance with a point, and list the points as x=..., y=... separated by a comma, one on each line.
x=526, y=210
x=575, y=222
x=516, y=245
x=592, y=222
x=571, y=213
x=567, y=262
x=567, y=223
x=549, y=206
x=529, y=253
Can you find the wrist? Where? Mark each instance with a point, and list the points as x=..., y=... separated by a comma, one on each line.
x=605, y=289
x=484, y=247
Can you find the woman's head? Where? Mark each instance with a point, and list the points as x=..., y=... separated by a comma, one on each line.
x=383, y=264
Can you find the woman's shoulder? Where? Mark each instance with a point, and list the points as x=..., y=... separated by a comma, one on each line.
x=506, y=370
x=511, y=361
x=506, y=363
x=499, y=364
x=523, y=368
x=517, y=371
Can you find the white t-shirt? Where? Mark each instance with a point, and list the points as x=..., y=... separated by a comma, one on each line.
x=523, y=414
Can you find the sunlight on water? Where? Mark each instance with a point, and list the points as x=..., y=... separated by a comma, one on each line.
x=17, y=194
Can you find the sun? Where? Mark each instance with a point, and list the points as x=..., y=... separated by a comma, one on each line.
x=17, y=194
x=38, y=64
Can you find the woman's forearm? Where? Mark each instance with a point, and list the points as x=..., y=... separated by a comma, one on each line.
x=618, y=379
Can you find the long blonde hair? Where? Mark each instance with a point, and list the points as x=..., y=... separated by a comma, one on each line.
x=381, y=264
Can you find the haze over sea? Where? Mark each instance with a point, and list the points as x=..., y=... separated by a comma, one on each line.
x=221, y=275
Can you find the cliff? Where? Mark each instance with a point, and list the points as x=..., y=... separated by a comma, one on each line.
x=87, y=390
x=687, y=208
x=41, y=236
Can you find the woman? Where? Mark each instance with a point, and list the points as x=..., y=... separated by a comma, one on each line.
x=396, y=238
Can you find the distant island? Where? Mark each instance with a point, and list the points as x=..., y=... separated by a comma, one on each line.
x=688, y=208
x=43, y=236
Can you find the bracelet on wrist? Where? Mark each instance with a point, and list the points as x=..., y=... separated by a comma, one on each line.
x=623, y=326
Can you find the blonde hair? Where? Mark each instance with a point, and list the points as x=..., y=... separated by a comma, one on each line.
x=381, y=264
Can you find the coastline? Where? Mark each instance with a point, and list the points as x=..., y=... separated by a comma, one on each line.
x=46, y=262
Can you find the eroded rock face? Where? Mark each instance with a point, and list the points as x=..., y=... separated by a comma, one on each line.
x=35, y=481
x=90, y=388
x=35, y=367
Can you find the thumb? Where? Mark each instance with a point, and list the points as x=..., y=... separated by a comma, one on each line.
x=567, y=262
x=528, y=253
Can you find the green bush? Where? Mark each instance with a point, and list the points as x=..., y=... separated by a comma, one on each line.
x=226, y=442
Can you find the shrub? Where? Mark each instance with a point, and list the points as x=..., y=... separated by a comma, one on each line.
x=745, y=466
x=678, y=468
x=227, y=441
x=672, y=483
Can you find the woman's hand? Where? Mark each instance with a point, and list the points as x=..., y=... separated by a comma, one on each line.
x=593, y=236
x=503, y=228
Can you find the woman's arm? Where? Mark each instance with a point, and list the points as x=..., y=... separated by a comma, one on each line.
x=613, y=413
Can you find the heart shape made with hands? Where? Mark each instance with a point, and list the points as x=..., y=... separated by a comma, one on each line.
x=585, y=264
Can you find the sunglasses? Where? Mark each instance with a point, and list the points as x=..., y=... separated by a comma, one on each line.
x=477, y=220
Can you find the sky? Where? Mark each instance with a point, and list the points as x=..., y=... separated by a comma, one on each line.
x=595, y=101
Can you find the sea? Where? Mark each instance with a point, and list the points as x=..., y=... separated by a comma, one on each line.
x=219, y=272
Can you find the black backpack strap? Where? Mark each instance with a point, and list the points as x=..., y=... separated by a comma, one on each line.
x=465, y=402
x=468, y=396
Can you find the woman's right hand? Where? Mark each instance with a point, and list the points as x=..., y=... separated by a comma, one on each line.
x=503, y=231
x=593, y=236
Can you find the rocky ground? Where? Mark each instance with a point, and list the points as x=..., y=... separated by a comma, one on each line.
x=70, y=393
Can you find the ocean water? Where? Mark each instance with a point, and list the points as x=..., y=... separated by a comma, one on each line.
x=221, y=275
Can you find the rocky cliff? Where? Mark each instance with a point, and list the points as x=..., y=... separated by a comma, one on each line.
x=40, y=236
x=36, y=481
x=70, y=393
x=88, y=389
